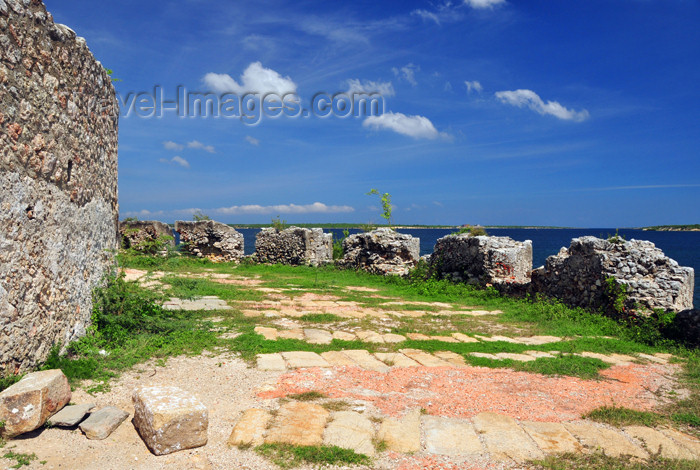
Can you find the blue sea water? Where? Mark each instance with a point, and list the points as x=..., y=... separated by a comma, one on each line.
x=684, y=247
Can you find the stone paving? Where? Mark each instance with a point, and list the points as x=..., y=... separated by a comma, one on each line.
x=493, y=436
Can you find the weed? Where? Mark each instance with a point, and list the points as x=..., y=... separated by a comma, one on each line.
x=338, y=251
x=339, y=405
x=20, y=458
x=287, y=456
x=381, y=446
x=307, y=396
x=6, y=382
x=599, y=461
x=320, y=318
x=620, y=416
x=279, y=224
x=386, y=204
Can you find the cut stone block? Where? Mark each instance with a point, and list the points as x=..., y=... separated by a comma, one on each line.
x=26, y=405
x=102, y=423
x=515, y=357
x=451, y=357
x=539, y=340
x=504, y=439
x=396, y=360
x=296, y=333
x=344, y=336
x=447, y=436
x=552, y=438
x=169, y=419
x=269, y=334
x=539, y=354
x=425, y=359
x=337, y=358
x=350, y=430
x=250, y=429
x=316, y=336
x=71, y=415
x=689, y=442
x=271, y=362
x=656, y=441
x=444, y=339
x=370, y=337
x=605, y=358
x=401, y=435
x=418, y=337
x=613, y=443
x=298, y=359
x=365, y=360
x=393, y=338
x=298, y=423
x=461, y=337
x=484, y=355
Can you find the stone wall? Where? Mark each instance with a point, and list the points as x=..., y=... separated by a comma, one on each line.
x=146, y=235
x=294, y=246
x=382, y=251
x=58, y=182
x=482, y=260
x=211, y=239
x=577, y=275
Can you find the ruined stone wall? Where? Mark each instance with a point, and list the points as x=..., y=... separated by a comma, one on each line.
x=381, y=251
x=294, y=246
x=58, y=182
x=150, y=236
x=212, y=240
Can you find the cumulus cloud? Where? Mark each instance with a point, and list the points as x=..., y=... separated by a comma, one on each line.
x=369, y=87
x=170, y=145
x=407, y=72
x=418, y=127
x=252, y=140
x=473, y=86
x=195, y=144
x=176, y=161
x=530, y=99
x=255, y=79
x=315, y=208
x=482, y=4
x=450, y=12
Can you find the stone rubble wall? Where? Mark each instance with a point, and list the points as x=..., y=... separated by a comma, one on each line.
x=294, y=246
x=58, y=183
x=482, y=260
x=381, y=251
x=137, y=233
x=577, y=275
x=211, y=239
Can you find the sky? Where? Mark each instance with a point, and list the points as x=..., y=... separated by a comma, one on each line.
x=494, y=112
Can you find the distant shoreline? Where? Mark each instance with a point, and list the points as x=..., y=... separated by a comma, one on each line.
x=673, y=228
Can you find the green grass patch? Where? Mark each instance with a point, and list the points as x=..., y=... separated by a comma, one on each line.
x=288, y=456
x=8, y=381
x=620, y=416
x=20, y=459
x=307, y=396
x=574, y=366
x=320, y=318
x=603, y=462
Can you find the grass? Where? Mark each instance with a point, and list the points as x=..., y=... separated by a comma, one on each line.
x=320, y=318
x=620, y=416
x=20, y=459
x=307, y=396
x=604, y=462
x=6, y=382
x=289, y=456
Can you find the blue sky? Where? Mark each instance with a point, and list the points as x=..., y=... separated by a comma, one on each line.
x=496, y=112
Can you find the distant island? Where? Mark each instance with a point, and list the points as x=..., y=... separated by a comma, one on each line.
x=674, y=228
x=397, y=226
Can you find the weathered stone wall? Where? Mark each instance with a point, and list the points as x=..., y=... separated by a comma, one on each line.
x=577, y=275
x=294, y=246
x=58, y=182
x=141, y=235
x=211, y=239
x=482, y=260
x=382, y=251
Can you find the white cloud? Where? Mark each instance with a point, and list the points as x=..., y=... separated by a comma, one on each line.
x=448, y=87
x=427, y=15
x=170, y=145
x=255, y=79
x=252, y=140
x=407, y=72
x=368, y=87
x=473, y=86
x=418, y=127
x=481, y=4
x=315, y=208
x=529, y=98
x=177, y=161
x=195, y=144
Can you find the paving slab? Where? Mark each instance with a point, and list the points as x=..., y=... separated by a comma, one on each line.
x=298, y=359
x=425, y=359
x=449, y=436
x=316, y=336
x=71, y=415
x=539, y=354
x=269, y=334
x=504, y=439
x=603, y=357
x=298, y=423
x=539, y=340
x=396, y=360
x=250, y=428
x=516, y=357
x=344, y=336
x=337, y=358
x=273, y=361
x=418, y=337
x=350, y=430
x=393, y=338
x=102, y=423
x=462, y=338
x=481, y=313
x=612, y=443
x=365, y=360
x=295, y=333
x=689, y=442
x=656, y=441
x=370, y=336
x=451, y=357
x=552, y=438
x=653, y=358
x=484, y=355
x=401, y=435
x=444, y=339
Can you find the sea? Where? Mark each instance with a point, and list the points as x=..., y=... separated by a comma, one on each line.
x=684, y=247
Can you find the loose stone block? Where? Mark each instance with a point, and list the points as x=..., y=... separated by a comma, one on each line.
x=464, y=338
x=316, y=336
x=401, y=435
x=269, y=334
x=365, y=360
x=271, y=362
x=396, y=360
x=393, y=338
x=298, y=423
x=344, y=336
x=298, y=359
x=504, y=439
x=425, y=359
x=447, y=436
x=657, y=442
x=606, y=440
x=552, y=438
x=296, y=333
x=451, y=357
x=350, y=430
x=169, y=419
x=250, y=429
x=337, y=358
x=71, y=415
x=101, y=424
x=26, y=405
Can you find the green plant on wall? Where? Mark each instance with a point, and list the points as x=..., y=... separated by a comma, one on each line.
x=617, y=295
x=200, y=216
x=279, y=224
x=386, y=204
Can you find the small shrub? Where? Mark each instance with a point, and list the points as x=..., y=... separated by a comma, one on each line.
x=617, y=239
x=338, y=251
x=279, y=224
x=386, y=204
x=307, y=396
x=199, y=216
x=472, y=230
